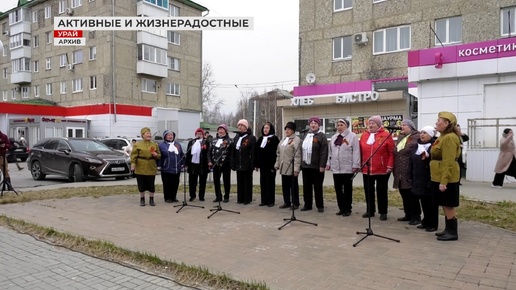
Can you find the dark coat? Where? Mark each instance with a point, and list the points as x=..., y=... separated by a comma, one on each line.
x=463, y=138
x=242, y=159
x=319, y=152
x=420, y=171
x=202, y=167
x=221, y=154
x=171, y=162
x=7, y=144
x=265, y=157
x=402, y=161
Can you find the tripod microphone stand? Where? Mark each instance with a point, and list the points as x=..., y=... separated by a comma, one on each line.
x=5, y=181
x=293, y=207
x=184, y=187
x=218, y=207
x=369, y=193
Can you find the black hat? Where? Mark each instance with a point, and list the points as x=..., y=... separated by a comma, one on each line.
x=291, y=125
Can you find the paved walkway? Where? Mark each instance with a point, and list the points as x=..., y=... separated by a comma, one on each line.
x=26, y=263
x=249, y=246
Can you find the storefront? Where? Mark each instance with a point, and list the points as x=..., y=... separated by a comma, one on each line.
x=355, y=101
x=476, y=82
x=37, y=128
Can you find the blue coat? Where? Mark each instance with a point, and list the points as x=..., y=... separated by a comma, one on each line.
x=171, y=162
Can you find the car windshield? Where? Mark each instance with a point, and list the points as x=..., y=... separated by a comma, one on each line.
x=88, y=145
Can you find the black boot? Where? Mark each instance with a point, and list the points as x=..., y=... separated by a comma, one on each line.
x=445, y=228
x=142, y=201
x=451, y=234
x=151, y=201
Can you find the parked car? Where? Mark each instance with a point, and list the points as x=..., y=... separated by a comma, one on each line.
x=76, y=158
x=20, y=152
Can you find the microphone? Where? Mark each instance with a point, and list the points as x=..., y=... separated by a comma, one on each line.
x=304, y=130
x=393, y=128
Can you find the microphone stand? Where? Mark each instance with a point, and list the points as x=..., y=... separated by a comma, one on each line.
x=293, y=207
x=5, y=182
x=369, y=231
x=184, y=186
x=218, y=207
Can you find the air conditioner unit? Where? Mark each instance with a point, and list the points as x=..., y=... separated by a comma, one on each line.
x=360, y=38
x=6, y=32
x=69, y=11
x=71, y=67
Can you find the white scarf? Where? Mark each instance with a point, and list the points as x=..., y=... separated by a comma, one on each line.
x=307, y=148
x=196, y=152
x=285, y=142
x=239, y=142
x=219, y=142
x=172, y=147
x=264, y=141
x=423, y=148
x=370, y=140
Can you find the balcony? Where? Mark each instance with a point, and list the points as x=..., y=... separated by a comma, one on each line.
x=152, y=69
x=21, y=77
x=21, y=51
x=154, y=39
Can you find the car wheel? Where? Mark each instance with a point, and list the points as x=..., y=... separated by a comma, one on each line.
x=78, y=176
x=35, y=171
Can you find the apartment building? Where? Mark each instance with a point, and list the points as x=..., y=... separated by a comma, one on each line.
x=354, y=57
x=119, y=81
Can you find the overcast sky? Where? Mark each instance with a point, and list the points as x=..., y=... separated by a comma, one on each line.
x=255, y=60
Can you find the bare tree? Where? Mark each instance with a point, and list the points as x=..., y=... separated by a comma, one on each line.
x=211, y=104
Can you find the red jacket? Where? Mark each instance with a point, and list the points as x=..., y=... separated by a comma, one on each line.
x=7, y=144
x=383, y=158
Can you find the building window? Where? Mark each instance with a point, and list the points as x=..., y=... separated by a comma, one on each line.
x=13, y=94
x=35, y=16
x=339, y=5
x=48, y=89
x=159, y=3
x=76, y=3
x=15, y=16
x=62, y=60
x=36, y=91
x=172, y=89
x=20, y=39
x=4, y=53
x=62, y=6
x=77, y=57
x=173, y=11
x=48, y=37
x=152, y=54
x=48, y=64
x=5, y=73
x=48, y=12
x=62, y=87
x=174, y=37
x=448, y=30
x=36, y=66
x=77, y=85
x=20, y=64
x=36, y=41
x=4, y=96
x=25, y=92
x=148, y=86
x=378, y=1
x=342, y=47
x=93, y=53
x=173, y=63
x=391, y=39
x=508, y=21
x=93, y=82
